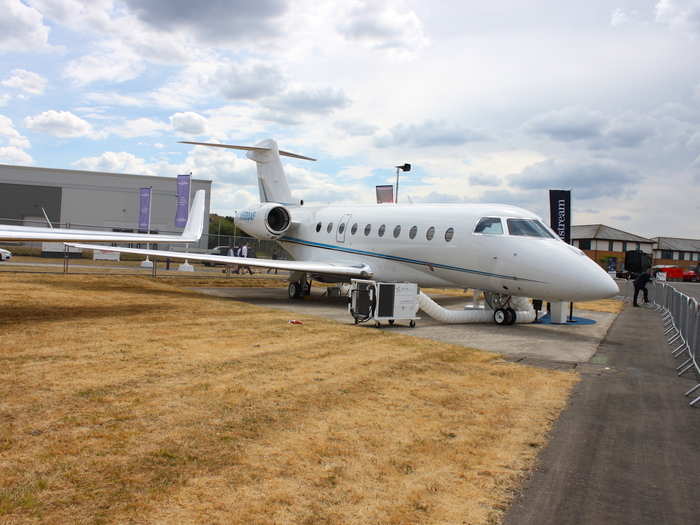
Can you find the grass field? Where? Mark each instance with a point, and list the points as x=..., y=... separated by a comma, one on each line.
x=124, y=400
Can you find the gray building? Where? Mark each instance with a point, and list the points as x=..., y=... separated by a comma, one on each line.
x=88, y=199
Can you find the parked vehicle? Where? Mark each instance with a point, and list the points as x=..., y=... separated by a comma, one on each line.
x=218, y=250
x=691, y=276
x=5, y=254
x=673, y=273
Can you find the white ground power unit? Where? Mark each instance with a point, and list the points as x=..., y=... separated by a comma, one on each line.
x=377, y=302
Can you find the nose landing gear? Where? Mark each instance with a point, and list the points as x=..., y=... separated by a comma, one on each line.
x=504, y=316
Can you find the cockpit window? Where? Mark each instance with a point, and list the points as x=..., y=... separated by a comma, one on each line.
x=528, y=228
x=490, y=225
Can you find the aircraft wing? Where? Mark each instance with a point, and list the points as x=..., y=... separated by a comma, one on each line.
x=191, y=234
x=361, y=271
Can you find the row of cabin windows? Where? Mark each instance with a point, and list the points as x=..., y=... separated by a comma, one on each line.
x=412, y=233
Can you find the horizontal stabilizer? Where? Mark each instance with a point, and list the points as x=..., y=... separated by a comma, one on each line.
x=247, y=148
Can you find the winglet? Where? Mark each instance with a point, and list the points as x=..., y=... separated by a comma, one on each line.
x=195, y=221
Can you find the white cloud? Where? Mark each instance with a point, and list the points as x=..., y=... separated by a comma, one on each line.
x=115, y=162
x=22, y=28
x=188, y=123
x=62, y=124
x=384, y=25
x=114, y=63
x=27, y=81
x=4, y=99
x=10, y=135
x=112, y=98
x=129, y=129
x=14, y=155
x=679, y=14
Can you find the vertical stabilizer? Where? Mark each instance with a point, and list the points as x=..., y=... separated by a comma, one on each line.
x=272, y=181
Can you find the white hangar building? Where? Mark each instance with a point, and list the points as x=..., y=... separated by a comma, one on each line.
x=89, y=199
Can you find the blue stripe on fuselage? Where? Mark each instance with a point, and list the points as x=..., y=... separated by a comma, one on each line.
x=399, y=259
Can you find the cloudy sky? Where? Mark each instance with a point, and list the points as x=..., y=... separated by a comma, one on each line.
x=490, y=101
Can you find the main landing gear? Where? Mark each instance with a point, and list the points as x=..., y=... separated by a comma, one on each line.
x=298, y=289
x=503, y=314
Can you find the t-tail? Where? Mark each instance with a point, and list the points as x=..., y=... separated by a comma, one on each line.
x=272, y=181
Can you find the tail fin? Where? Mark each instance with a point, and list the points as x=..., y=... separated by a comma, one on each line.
x=272, y=181
x=195, y=220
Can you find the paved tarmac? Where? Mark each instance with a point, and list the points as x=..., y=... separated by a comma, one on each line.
x=689, y=289
x=627, y=448
x=543, y=345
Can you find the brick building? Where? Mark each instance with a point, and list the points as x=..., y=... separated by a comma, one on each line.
x=677, y=252
x=607, y=246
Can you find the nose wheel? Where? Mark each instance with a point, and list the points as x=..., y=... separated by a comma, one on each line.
x=504, y=316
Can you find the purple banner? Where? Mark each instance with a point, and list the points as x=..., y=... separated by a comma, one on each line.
x=144, y=209
x=183, y=200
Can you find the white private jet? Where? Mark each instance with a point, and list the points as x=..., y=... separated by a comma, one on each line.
x=503, y=250
x=191, y=234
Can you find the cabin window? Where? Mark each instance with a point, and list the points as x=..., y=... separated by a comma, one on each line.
x=329, y=227
x=318, y=227
x=368, y=229
x=397, y=231
x=528, y=228
x=489, y=225
x=381, y=230
x=666, y=254
x=341, y=228
x=430, y=233
x=353, y=230
x=449, y=234
x=413, y=232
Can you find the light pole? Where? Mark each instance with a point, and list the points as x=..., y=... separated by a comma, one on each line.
x=405, y=167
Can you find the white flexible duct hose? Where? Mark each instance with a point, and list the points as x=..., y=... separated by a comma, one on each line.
x=523, y=311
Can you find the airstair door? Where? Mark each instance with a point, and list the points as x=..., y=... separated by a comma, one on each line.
x=342, y=228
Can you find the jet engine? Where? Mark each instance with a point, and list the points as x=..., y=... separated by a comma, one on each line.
x=266, y=221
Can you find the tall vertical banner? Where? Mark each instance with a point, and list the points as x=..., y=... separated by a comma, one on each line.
x=385, y=193
x=560, y=213
x=145, y=210
x=183, y=200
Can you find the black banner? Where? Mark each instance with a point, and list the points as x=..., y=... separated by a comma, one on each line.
x=560, y=213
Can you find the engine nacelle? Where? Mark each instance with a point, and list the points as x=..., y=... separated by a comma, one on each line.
x=266, y=221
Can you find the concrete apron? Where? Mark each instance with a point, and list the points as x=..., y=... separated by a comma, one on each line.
x=544, y=345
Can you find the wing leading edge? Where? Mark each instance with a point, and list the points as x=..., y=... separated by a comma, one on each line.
x=191, y=234
x=363, y=271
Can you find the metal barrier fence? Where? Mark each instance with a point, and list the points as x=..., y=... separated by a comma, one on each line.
x=681, y=316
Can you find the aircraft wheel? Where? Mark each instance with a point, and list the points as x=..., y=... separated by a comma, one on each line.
x=510, y=316
x=391, y=322
x=412, y=323
x=294, y=290
x=378, y=324
x=500, y=316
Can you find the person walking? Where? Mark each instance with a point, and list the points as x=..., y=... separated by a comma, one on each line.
x=274, y=258
x=244, y=254
x=640, y=284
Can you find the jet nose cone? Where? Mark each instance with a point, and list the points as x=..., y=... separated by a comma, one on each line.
x=597, y=284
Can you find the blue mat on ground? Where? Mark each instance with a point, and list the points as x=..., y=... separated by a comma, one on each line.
x=545, y=319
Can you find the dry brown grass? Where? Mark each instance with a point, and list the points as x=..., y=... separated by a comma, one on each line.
x=611, y=306
x=129, y=401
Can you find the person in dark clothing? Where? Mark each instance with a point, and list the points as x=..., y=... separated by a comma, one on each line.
x=640, y=283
